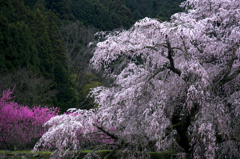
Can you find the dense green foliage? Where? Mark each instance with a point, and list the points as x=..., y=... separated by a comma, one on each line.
x=33, y=36
x=31, y=39
x=110, y=14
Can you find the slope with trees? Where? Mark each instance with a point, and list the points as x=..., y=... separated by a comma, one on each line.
x=31, y=43
x=109, y=15
x=31, y=38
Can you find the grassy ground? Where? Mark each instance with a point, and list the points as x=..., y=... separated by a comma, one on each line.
x=46, y=154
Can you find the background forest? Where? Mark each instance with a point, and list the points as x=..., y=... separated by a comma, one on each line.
x=45, y=51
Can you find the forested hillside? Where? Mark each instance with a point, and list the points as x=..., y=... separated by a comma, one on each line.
x=44, y=51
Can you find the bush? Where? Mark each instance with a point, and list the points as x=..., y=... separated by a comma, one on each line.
x=20, y=126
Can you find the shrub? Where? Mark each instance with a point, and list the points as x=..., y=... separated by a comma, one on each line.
x=20, y=126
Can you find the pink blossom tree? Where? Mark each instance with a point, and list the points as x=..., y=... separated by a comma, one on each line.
x=20, y=126
x=176, y=86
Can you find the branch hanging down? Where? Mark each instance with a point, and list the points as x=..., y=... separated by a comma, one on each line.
x=170, y=53
x=106, y=132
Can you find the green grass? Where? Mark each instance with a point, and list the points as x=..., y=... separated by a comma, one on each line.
x=102, y=153
x=13, y=152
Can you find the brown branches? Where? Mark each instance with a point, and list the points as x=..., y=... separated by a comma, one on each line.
x=107, y=133
x=218, y=82
x=170, y=54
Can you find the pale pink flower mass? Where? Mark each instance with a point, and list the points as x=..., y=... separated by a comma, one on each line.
x=176, y=86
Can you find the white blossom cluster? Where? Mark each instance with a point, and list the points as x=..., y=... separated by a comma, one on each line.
x=174, y=80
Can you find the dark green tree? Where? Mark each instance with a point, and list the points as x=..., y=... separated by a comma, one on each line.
x=132, y=4
x=7, y=9
x=116, y=21
x=83, y=11
x=161, y=16
x=123, y=13
x=44, y=47
x=61, y=8
x=145, y=7
x=66, y=97
x=17, y=47
x=30, y=3
x=175, y=8
x=152, y=8
x=102, y=18
x=31, y=49
x=55, y=37
x=5, y=44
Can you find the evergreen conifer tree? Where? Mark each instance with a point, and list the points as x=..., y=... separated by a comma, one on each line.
x=62, y=82
x=4, y=43
x=55, y=37
x=61, y=8
x=40, y=34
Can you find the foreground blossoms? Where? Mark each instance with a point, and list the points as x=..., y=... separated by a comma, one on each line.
x=176, y=87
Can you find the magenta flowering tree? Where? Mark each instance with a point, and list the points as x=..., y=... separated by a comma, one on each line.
x=21, y=127
x=176, y=86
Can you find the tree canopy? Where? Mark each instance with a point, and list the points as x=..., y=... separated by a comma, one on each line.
x=175, y=87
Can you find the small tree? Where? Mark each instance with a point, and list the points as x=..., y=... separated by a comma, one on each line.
x=30, y=88
x=21, y=127
x=75, y=42
x=176, y=84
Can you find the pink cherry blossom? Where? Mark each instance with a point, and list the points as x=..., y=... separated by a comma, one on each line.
x=176, y=86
